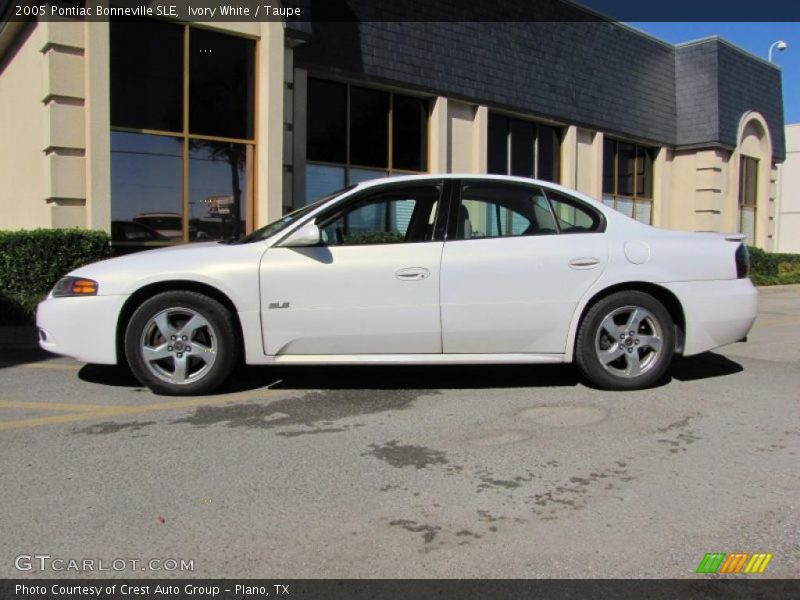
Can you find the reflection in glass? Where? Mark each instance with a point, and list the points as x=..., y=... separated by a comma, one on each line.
x=498, y=145
x=625, y=206
x=626, y=160
x=326, y=122
x=145, y=188
x=409, y=133
x=359, y=175
x=522, y=141
x=643, y=212
x=609, y=167
x=548, y=151
x=369, y=127
x=747, y=217
x=146, y=67
x=218, y=186
x=644, y=172
x=221, y=84
x=322, y=180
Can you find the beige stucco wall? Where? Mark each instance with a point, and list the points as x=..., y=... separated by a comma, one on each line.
x=22, y=162
x=55, y=148
x=788, y=217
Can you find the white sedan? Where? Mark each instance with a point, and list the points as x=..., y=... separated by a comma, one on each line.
x=436, y=269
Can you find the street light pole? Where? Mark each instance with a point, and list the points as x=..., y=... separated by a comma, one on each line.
x=780, y=45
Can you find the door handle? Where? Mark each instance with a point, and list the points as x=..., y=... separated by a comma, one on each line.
x=412, y=274
x=584, y=262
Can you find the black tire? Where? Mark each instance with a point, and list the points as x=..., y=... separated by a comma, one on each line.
x=214, y=341
x=628, y=359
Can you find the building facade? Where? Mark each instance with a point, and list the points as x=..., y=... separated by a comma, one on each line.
x=162, y=132
x=789, y=194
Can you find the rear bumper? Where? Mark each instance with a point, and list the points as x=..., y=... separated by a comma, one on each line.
x=717, y=312
x=81, y=328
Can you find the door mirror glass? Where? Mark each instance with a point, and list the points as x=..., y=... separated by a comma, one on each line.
x=307, y=235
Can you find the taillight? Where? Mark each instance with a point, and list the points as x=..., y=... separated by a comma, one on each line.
x=742, y=262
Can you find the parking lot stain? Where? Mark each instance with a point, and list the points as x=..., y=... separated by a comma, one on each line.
x=400, y=456
x=429, y=532
x=575, y=495
x=310, y=409
x=112, y=427
x=682, y=423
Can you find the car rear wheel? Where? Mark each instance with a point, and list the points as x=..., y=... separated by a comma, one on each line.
x=625, y=342
x=181, y=343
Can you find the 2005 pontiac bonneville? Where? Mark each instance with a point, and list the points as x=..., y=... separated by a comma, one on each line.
x=419, y=269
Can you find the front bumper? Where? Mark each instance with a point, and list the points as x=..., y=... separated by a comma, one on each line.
x=717, y=312
x=83, y=328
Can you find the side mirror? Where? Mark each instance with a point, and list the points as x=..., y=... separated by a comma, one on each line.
x=308, y=235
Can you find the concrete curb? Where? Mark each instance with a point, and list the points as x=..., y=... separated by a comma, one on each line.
x=25, y=337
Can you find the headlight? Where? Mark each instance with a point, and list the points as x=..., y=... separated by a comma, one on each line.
x=75, y=286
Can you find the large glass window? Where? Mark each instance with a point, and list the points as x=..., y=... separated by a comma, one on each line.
x=146, y=75
x=628, y=178
x=748, y=197
x=356, y=133
x=145, y=189
x=221, y=84
x=218, y=187
x=182, y=164
x=523, y=148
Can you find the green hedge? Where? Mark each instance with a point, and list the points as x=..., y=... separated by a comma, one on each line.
x=772, y=268
x=32, y=261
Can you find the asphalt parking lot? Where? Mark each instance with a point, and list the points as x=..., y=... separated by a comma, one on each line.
x=410, y=471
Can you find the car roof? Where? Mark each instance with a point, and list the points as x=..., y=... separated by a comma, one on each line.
x=482, y=177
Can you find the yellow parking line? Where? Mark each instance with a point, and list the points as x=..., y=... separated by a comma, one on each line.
x=61, y=366
x=50, y=405
x=55, y=366
x=128, y=409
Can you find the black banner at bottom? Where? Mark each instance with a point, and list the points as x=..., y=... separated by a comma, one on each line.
x=396, y=589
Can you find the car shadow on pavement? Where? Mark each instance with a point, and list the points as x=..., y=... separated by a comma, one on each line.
x=367, y=377
x=416, y=377
x=703, y=366
x=12, y=357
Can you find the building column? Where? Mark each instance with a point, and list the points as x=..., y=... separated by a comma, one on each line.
x=65, y=135
x=269, y=124
x=438, y=135
x=98, y=127
x=569, y=158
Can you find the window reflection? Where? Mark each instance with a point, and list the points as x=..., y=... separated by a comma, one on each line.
x=221, y=84
x=534, y=149
x=146, y=75
x=145, y=188
x=218, y=186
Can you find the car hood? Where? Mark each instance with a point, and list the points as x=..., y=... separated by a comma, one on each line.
x=207, y=262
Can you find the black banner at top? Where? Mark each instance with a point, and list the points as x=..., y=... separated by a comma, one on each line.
x=403, y=10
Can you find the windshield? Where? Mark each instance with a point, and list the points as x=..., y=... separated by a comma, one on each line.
x=286, y=220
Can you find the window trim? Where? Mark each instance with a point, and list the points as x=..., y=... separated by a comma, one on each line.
x=186, y=137
x=390, y=169
x=616, y=195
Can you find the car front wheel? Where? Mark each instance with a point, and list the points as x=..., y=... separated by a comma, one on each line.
x=181, y=343
x=625, y=342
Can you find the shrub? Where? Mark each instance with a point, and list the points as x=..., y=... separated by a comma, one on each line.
x=32, y=261
x=772, y=268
